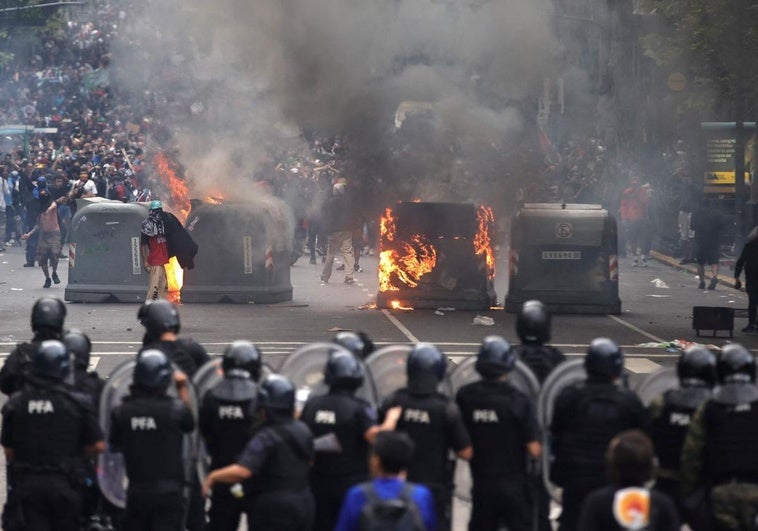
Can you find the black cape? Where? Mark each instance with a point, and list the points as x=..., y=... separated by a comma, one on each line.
x=179, y=242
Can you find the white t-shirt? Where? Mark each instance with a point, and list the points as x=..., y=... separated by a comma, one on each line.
x=90, y=189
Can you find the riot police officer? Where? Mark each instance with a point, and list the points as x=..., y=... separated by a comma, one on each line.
x=276, y=461
x=434, y=423
x=720, y=452
x=90, y=385
x=586, y=417
x=359, y=343
x=533, y=329
x=503, y=426
x=161, y=321
x=228, y=419
x=672, y=411
x=45, y=430
x=148, y=428
x=346, y=424
x=84, y=381
x=48, y=315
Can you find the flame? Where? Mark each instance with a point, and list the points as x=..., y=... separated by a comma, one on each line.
x=403, y=262
x=483, y=239
x=214, y=199
x=397, y=305
x=179, y=204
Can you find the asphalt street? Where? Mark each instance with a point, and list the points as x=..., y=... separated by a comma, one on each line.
x=657, y=308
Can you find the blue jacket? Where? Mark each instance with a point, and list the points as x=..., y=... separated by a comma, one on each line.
x=386, y=488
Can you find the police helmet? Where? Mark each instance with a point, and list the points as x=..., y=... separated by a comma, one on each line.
x=153, y=370
x=276, y=396
x=696, y=367
x=604, y=359
x=79, y=344
x=352, y=342
x=343, y=369
x=495, y=357
x=159, y=316
x=424, y=361
x=48, y=312
x=242, y=356
x=51, y=360
x=533, y=323
x=735, y=365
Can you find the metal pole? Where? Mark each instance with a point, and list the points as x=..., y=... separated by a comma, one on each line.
x=739, y=168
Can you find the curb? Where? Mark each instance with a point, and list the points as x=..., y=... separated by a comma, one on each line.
x=673, y=262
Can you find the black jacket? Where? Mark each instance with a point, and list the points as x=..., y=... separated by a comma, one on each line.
x=749, y=260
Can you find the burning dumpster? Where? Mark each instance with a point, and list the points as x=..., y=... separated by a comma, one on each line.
x=244, y=252
x=104, y=258
x=436, y=254
x=565, y=256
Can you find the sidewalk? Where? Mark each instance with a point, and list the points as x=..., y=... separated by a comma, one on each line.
x=725, y=278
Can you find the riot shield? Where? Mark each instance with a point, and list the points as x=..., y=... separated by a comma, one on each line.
x=305, y=367
x=657, y=383
x=566, y=374
x=522, y=378
x=206, y=378
x=387, y=368
x=111, y=468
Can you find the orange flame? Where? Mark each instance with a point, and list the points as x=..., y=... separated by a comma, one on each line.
x=397, y=305
x=483, y=238
x=179, y=204
x=402, y=262
x=214, y=199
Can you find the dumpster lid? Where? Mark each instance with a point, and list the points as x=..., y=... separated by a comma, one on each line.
x=561, y=206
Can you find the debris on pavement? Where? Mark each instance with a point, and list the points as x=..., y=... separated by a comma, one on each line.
x=658, y=283
x=483, y=320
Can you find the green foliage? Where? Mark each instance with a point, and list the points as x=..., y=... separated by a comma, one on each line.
x=715, y=41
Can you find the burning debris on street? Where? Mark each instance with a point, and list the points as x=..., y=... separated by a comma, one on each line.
x=433, y=254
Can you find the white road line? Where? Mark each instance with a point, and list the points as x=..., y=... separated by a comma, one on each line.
x=407, y=333
x=630, y=326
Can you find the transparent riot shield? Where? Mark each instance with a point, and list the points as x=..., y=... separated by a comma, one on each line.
x=522, y=378
x=111, y=468
x=657, y=383
x=305, y=367
x=206, y=378
x=566, y=374
x=387, y=368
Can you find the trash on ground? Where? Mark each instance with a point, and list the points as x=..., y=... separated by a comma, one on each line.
x=483, y=320
x=658, y=283
x=446, y=309
x=437, y=312
x=17, y=289
x=676, y=345
x=658, y=296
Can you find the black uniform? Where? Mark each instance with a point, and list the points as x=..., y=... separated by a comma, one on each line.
x=541, y=359
x=586, y=417
x=501, y=421
x=228, y=418
x=670, y=422
x=185, y=353
x=47, y=427
x=17, y=366
x=279, y=457
x=149, y=430
x=435, y=424
x=333, y=473
x=598, y=515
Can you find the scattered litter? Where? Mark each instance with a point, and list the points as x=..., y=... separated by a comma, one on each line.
x=677, y=345
x=338, y=329
x=730, y=302
x=17, y=289
x=437, y=312
x=483, y=320
x=658, y=296
x=446, y=309
x=368, y=306
x=658, y=283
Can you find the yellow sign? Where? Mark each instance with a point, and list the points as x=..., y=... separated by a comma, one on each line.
x=718, y=178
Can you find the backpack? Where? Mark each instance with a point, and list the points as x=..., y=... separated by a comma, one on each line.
x=394, y=514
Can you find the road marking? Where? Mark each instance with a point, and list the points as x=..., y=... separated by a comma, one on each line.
x=630, y=326
x=407, y=333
